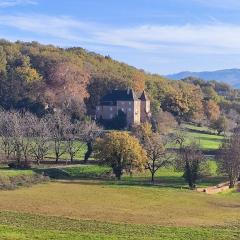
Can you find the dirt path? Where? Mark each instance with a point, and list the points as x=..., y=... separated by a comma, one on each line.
x=218, y=188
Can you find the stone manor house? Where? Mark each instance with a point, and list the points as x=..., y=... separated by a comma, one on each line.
x=136, y=108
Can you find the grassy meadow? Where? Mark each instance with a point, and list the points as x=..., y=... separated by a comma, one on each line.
x=207, y=138
x=77, y=207
x=86, y=202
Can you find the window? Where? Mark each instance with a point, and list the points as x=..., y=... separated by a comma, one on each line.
x=111, y=116
x=129, y=103
x=98, y=108
x=111, y=108
x=129, y=109
x=123, y=109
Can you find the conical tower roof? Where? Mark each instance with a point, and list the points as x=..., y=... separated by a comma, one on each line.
x=144, y=96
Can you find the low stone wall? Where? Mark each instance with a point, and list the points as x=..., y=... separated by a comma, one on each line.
x=216, y=189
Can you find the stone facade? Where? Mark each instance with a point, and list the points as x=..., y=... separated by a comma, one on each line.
x=137, y=109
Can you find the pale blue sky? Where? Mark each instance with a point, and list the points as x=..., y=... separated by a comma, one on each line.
x=160, y=36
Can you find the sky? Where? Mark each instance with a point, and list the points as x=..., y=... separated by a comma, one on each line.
x=159, y=36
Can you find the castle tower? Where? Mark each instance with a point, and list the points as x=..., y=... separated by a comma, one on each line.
x=145, y=107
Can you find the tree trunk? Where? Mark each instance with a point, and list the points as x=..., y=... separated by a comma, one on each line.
x=89, y=151
x=232, y=183
x=71, y=158
x=152, y=178
x=56, y=151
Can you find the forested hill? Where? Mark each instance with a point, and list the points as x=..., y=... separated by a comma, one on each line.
x=230, y=76
x=42, y=77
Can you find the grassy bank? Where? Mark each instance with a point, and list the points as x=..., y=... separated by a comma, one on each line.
x=12, y=179
x=207, y=138
x=97, y=200
x=75, y=207
x=29, y=226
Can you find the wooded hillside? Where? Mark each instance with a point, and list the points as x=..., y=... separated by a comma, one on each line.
x=42, y=77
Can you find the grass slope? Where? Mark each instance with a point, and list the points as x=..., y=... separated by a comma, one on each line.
x=107, y=209
x=207, y=139
x=96, y=200
x=5, y=171
x=30, y=226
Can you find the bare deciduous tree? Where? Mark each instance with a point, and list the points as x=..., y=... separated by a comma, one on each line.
x=58, y=123
x=41, y=136
x=158, y=156
x=73, y=146
x=6, y=133
x=229, y=160
x=89, y=132
x=155, y=146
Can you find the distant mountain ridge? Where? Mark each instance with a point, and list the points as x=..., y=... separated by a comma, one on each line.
x=230, y=76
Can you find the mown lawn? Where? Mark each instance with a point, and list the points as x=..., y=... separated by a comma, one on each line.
x=207, y=139
x=87, y=203
x=29, y=226
x=97, y=200
x=78, y=208
x=165, y=177
x=79, y=156
x=5, y=171
x=65, y=156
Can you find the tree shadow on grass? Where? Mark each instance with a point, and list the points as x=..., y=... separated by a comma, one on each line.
x=161, y=182
x=201, y=131
x=171, y=181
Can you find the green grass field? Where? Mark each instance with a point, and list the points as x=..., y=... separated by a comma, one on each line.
x=4, y=171
x=79, y=156
x=78, y=208
x=31, y=226
x=207, y=139
x=95, y=210
x=85, y=202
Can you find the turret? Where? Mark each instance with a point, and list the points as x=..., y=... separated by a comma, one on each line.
x=145, y=107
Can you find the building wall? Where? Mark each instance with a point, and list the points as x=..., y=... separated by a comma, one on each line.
x=145, y=110
x=136, y=111
x=128, y=108
x=106, y=112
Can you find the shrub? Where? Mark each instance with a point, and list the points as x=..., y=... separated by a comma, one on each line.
x=208, y=168
x=24, y=165
x=12, y=182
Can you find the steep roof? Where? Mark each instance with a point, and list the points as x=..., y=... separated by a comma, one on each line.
x=120, y=95
x=144, y=97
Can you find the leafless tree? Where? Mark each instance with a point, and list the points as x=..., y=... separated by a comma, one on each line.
x=16, y=131
x=58, y=123
x=228, y=158
x=40, y=139
x=72, y=135
x=27, y=121
x=155, y=146
x=6, y=133
x=164, y=123
x=89, y=132
x=158, y=156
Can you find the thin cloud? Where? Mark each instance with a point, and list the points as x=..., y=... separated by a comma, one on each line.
x=214, y=38
x=224, y=4
x=13, y=3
